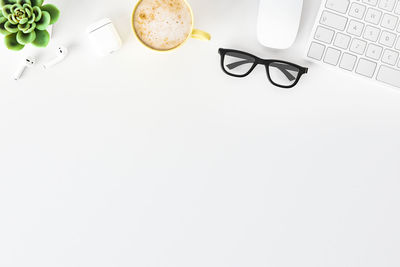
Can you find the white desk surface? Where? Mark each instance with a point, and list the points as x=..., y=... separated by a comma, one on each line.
x=144, y=159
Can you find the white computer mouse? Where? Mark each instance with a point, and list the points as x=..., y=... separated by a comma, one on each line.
x=278, y=22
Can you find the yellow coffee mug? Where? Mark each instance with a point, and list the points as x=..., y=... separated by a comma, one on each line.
x=197, y=34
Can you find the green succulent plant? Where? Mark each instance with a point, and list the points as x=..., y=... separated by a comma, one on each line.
x=25, y=21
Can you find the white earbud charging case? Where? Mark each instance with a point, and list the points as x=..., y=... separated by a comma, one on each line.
x=104, y=37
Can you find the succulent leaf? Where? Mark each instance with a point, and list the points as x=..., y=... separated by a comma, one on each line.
x=23, y=27
x=37, y=12
x=3, y=21
x=44, y=22
x=23, y=21
x=32, y=19
x=37, y=3
x=53, y=11
x=22, y=2
x=12, y=43
x=11, y=28
x=6, y=10
x=31, y=28
x=42, y=38
x=26, y=38
x=12, y=19
x=7, y=2
x=15, y=7
x=28, y=11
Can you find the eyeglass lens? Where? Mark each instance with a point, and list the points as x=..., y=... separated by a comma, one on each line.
x=283, y=74
x=238, y=63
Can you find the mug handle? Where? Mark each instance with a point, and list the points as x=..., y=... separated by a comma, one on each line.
x=201, y=35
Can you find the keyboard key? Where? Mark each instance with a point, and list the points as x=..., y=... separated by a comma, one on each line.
x=397, y=47
x=397, y=9
x=373, y=16
x=389, y=21
x=338, y=5
x=316, y=51
x=357, y=11
x=342, y=41
x=390, y=57
x=332, y=56
x=366, y=68
x=389, y=76
x=355, y=28
x=374, y=51
x=371, y=33
x=387, y=39
x=324, y=35
x=333, y=20
x=348, y=61
x=387, y=5
x=371, y=2
x=358, y=46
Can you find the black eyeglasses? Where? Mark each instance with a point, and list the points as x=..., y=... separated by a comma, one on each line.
x=280, y=73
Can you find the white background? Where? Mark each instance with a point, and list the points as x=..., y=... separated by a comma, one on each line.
x=146, y=159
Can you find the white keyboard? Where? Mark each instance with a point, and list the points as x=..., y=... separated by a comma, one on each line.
x=359, y=36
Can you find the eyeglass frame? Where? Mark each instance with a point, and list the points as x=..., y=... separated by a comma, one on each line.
x=259, y=61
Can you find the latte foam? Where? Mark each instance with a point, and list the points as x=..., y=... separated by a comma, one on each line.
x=163, y=24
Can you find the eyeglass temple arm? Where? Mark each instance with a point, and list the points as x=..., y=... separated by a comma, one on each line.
x=283, y=68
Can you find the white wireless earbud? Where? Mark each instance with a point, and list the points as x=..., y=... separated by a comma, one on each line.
x=28, y=62
x=62, y=53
